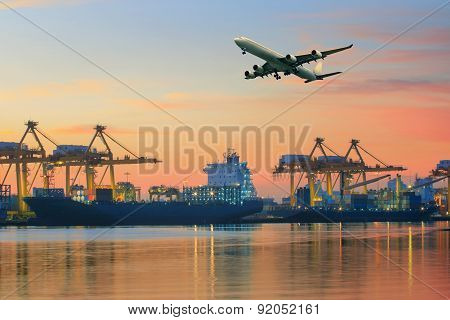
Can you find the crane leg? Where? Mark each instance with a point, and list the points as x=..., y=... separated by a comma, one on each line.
x=292, y=189
x=45, y=176
x=20, y=202
x=67, y=181
x=364, y=180
x=312, y=191
x=329, y=184
x=113, y=181
x=24, y=179
x=90, y=183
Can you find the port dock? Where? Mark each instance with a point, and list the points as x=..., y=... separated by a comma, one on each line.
x=324, y=170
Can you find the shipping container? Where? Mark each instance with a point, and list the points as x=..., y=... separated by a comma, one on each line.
x=332, y=159
x=69, y=149
x=359, y=201
x=293, y=158
x=303, y=196
x=104, y=195
x=51, y=192
x=410, y=200
x=9, y=146
x=443, y=164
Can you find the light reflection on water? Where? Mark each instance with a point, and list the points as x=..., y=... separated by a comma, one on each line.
x=285, y=261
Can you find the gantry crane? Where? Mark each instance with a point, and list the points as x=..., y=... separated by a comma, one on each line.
x=90, y=159
x=329, y=164
x=21, y=157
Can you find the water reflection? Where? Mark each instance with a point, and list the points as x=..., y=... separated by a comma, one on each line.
x=308, y=261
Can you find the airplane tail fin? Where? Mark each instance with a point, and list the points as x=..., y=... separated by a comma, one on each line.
x=318, y=69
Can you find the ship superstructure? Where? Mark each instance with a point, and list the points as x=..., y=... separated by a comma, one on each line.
x=231, y=173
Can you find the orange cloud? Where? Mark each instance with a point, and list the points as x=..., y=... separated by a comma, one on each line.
x=429, y=36
x=89, y=130
x=423, y=124
x=31, y=92
x=141, y=103
x=177, y=96
x=38, y=3
x=407, y=56
x=7, y=132
x=377, y=86
x=200, y=100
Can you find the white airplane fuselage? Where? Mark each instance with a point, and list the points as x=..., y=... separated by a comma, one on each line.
x=273, y=58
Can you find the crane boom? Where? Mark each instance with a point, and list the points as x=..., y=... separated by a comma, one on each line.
x=365, y=183
x=426, y=184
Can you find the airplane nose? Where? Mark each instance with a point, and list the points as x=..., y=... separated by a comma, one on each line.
x=237, y=40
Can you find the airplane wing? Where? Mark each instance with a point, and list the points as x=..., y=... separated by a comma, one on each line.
x=306, y=58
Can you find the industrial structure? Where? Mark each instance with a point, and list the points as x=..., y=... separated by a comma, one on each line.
x=330, y=167
x=441, y=172
x=20, y=156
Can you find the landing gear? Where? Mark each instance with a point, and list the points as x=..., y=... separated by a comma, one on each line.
x=243, y=52
x=277, y=76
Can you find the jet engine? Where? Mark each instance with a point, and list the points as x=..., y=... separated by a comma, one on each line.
x=291, y=59
x=249, y=75
x=316, y=54
x=258, y=69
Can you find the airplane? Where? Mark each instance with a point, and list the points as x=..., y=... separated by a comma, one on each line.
x=289, y=64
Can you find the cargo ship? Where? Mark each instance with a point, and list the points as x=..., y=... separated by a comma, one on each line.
x=63, y=211
x=332, y=215
x=222, y=200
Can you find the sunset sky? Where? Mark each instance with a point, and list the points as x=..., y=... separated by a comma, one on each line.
x=181, y=55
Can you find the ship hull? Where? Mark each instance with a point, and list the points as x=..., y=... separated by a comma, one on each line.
x=329, y=216
x=66, y=212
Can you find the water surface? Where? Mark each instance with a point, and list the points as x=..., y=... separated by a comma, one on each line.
x=270, y=261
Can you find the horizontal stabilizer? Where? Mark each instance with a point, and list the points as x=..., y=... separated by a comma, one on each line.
x=327, y=75
x=322, y=76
